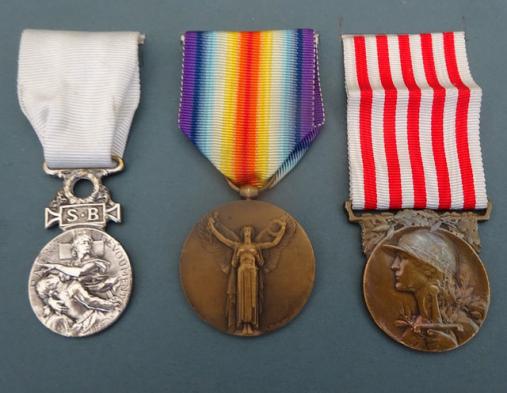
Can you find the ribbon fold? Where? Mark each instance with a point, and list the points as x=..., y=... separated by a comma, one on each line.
x=79, y=90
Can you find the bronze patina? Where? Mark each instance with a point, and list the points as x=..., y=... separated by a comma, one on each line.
x=424, y=283
x=247, y=268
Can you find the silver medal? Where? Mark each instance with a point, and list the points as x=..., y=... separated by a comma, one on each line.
x=81, y=280
x=80, y=91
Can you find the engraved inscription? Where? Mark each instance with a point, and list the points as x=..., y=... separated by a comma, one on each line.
x=69, y=210
x=83, y=214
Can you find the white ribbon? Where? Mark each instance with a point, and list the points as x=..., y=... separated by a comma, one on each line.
x=79, y=90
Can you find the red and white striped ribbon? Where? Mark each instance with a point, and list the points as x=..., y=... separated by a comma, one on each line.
x=413, y=123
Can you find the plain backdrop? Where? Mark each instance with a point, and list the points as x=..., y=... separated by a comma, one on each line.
x=160, y=345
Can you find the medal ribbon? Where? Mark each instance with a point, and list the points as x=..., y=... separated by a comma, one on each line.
x=251, y=101
x=79, y=90
x=413, y=123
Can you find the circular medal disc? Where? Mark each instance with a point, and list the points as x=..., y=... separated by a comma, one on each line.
x=80, y=282
x=247, y=268
x=428, y=290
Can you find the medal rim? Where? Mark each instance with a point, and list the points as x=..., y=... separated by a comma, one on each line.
x=127, y=299
x=277, y=325
x=391, y=335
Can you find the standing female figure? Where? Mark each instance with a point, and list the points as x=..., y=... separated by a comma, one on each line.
x=245, y=283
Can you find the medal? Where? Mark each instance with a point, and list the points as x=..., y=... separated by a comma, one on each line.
x=80, y=91
x=416, y=173
x=251, y=104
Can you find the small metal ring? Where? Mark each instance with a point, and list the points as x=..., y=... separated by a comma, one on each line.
x=71, y=176
x=238, y=189
x=70, y=181
x=120, y=165
x=235, y=187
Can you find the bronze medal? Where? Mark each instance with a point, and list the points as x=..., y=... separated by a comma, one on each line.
x=417, y=185
x=424, y=283
x=247, y=268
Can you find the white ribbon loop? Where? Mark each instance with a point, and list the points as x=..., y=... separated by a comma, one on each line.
x=79, y=90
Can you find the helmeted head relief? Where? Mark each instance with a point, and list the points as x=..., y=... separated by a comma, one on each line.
x=428, y=247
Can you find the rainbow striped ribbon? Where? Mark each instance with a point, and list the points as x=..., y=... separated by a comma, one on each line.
x=251, y=101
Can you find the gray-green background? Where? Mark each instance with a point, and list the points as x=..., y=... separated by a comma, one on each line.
x=160, y=345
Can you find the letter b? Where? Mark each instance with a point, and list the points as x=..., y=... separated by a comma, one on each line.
x=93, y=214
